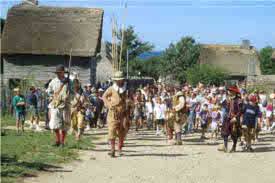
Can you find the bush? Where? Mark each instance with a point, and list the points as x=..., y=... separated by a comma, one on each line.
x=266, y=64
x=206, y=74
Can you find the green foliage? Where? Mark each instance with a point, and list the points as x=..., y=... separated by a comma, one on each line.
x=266, y=64
x=205, y=74
x=26, y=154
x=149, y=68
x=259, y=87
x=179, y=57
x=133, y=43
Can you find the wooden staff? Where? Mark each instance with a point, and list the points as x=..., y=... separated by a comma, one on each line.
x=122, y=37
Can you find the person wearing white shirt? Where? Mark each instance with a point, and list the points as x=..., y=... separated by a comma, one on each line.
x=149, y=112
x=159, y=114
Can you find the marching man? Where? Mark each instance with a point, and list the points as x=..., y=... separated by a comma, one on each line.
x=115, y=100
x=59, y=106
x=178, y=108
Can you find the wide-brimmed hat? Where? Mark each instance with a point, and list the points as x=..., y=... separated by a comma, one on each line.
x=118, y=75
x=179, y=93
x=60, y=68
x=234, y=89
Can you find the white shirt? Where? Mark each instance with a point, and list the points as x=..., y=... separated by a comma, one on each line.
x=160, y=110
x=54, y=86
x=149, y=107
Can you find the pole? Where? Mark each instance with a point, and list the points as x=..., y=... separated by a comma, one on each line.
x=127, y=60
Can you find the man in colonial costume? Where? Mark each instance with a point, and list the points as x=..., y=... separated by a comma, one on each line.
x=231, y=123
x=78, y=104
x=59, y=106
x=179, y=108
x=115, y=100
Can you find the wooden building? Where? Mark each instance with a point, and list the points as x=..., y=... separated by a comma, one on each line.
x=37, y=38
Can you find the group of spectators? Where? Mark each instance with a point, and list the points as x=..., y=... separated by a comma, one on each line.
x=206, y=108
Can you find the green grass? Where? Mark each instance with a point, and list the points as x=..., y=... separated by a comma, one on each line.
x=26, y=154
x=7, y=120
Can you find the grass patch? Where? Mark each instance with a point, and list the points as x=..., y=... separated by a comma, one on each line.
x=7, y=120
x=24, y=155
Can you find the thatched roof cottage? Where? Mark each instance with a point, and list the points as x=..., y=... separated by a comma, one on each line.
x=239, y=61
x=37, y=38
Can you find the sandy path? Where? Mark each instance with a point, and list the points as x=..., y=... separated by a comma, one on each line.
x=148, y=158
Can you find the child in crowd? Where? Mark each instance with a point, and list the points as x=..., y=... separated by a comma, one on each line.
x=159, y=114
x=149, y=112
x=250, y=115
x=204, y=116
x=89, y=115
x=197, y=122
x=32, y=101
x=19, y=104
x=216, y=117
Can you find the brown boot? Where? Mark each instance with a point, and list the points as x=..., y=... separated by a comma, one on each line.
x=112, y=152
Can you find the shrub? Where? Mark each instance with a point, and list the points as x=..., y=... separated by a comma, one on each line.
x=206, y=74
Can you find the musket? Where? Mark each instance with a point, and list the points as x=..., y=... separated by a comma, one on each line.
x=69, y=72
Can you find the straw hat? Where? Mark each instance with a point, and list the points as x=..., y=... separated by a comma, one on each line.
x=16, y=89
x=179, y=93
x=118, y=75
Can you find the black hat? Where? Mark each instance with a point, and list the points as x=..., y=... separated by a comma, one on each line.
x=59, y=68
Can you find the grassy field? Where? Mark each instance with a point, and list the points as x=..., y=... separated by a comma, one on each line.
x=26, y=154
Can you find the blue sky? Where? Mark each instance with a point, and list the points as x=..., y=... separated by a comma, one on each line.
x=164, y=21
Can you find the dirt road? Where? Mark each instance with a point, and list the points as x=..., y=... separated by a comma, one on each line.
x=148, y=158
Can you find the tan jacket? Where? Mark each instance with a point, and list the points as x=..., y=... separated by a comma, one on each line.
x=116, y=103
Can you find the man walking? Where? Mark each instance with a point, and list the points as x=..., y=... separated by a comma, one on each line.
x=59, y=105
x=115, y=100
x=178, y=108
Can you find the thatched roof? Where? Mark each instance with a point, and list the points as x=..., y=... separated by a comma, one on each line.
x=42, y=30
x=235, y=59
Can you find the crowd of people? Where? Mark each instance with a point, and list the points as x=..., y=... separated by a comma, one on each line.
x=172, y=111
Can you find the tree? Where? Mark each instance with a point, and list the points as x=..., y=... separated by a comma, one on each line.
x=3, y=21
x=206, y=74
x=266, y=64
x=148, y=68
x=133, y=43
x=179, y=57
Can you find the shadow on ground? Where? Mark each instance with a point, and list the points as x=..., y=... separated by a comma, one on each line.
x=156, y=154
x=19, y=167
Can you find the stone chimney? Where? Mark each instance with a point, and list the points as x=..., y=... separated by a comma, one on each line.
x=31, y=2
x=246, y=44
